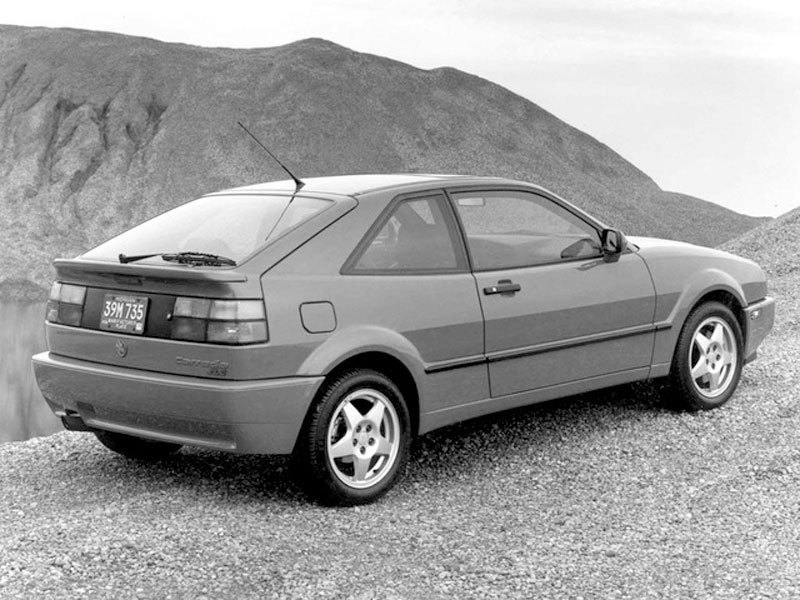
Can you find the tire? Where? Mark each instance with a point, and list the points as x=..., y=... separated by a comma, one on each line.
x=355, y=443
x=708, y=358
x=136, y=447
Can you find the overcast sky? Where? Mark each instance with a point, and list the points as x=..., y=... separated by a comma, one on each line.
x=703, y=96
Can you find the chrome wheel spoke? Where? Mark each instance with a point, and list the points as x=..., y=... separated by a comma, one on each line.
x=351, y=416
x=714, y=380
x=702, y=342
x=718, y=335
x=384, y=446
x=361, y=465
x=375, y=414
x=342, y=448
x=700, y=369
x=727, y=357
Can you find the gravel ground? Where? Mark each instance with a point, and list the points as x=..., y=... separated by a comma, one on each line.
x=605, y=495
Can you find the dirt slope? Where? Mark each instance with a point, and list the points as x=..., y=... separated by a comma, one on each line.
x=774, y=245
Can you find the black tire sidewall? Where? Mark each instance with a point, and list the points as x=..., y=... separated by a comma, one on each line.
x=311, y=458
x=682, y=384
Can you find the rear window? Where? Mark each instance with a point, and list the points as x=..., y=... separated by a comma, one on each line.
x=232, y=226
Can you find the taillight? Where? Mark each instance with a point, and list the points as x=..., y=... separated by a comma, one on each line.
x=219, y=321
x=65, y=305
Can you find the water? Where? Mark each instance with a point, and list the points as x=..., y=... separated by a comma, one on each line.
x=23, y=412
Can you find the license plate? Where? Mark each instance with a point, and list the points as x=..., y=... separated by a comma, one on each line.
x=123, y=313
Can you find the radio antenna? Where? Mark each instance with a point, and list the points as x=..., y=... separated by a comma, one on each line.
x=298, y=183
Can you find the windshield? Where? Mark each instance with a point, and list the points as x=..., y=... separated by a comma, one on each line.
x=231, y=226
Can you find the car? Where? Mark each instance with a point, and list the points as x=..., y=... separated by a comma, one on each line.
x=336, y=318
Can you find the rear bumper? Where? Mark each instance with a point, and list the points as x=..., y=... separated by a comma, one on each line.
x=259, y=417
x=759, y=318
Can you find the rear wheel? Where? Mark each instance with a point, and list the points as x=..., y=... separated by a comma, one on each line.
x=355, y=444
x=136, y=447
x=708, y=358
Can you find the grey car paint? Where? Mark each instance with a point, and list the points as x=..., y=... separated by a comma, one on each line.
x=682, y=275
x=575, y=326
x=569, y=321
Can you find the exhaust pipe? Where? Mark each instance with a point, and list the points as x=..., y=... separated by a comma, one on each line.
x=72, y=421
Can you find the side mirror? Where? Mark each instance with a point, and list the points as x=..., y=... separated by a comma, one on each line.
x=614, y=243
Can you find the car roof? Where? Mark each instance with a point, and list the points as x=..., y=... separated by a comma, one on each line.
x=355, y=185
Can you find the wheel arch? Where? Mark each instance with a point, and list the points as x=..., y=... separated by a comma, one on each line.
x=728, y=298
x=723, y=293
x=391, y=367
x=706, y=285
x=376, y=348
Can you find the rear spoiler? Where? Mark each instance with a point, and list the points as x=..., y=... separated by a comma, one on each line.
x=174, y=279
x=66, y=267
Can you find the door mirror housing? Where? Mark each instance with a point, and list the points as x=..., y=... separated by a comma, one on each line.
x=614, y=243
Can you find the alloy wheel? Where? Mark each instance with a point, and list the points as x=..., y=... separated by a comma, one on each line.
x=363, y=438
x=713, y=357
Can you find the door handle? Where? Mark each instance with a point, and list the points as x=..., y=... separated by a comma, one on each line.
x=504, y=286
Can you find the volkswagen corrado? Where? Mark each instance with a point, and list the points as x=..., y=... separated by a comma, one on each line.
x=336, y=320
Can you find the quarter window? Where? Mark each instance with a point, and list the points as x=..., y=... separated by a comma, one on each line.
x=417, y=236
x=515, y=229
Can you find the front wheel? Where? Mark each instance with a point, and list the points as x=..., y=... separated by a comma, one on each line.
x=708, y=358
x=135, y=447
x=355, y=444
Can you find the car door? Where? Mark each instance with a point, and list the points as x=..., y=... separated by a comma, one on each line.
x=410, y=275
x=555, y=310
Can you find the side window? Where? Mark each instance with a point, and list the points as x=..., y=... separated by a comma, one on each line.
x=517, y=229
x=415, y=237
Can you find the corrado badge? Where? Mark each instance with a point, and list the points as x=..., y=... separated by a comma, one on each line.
x=215, y=368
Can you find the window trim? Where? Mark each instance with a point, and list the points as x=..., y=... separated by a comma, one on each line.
x=577, y=213
x=463, y=264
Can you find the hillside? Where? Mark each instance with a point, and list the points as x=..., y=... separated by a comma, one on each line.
x=99, y=131
x=775, y=245
x=710, y=223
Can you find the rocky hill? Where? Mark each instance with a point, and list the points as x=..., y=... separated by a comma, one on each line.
x=708, y=224
x=775, y=245
x=99, y=131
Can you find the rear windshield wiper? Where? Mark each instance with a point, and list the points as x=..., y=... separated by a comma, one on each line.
x=185, y=258
x=199, y=258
